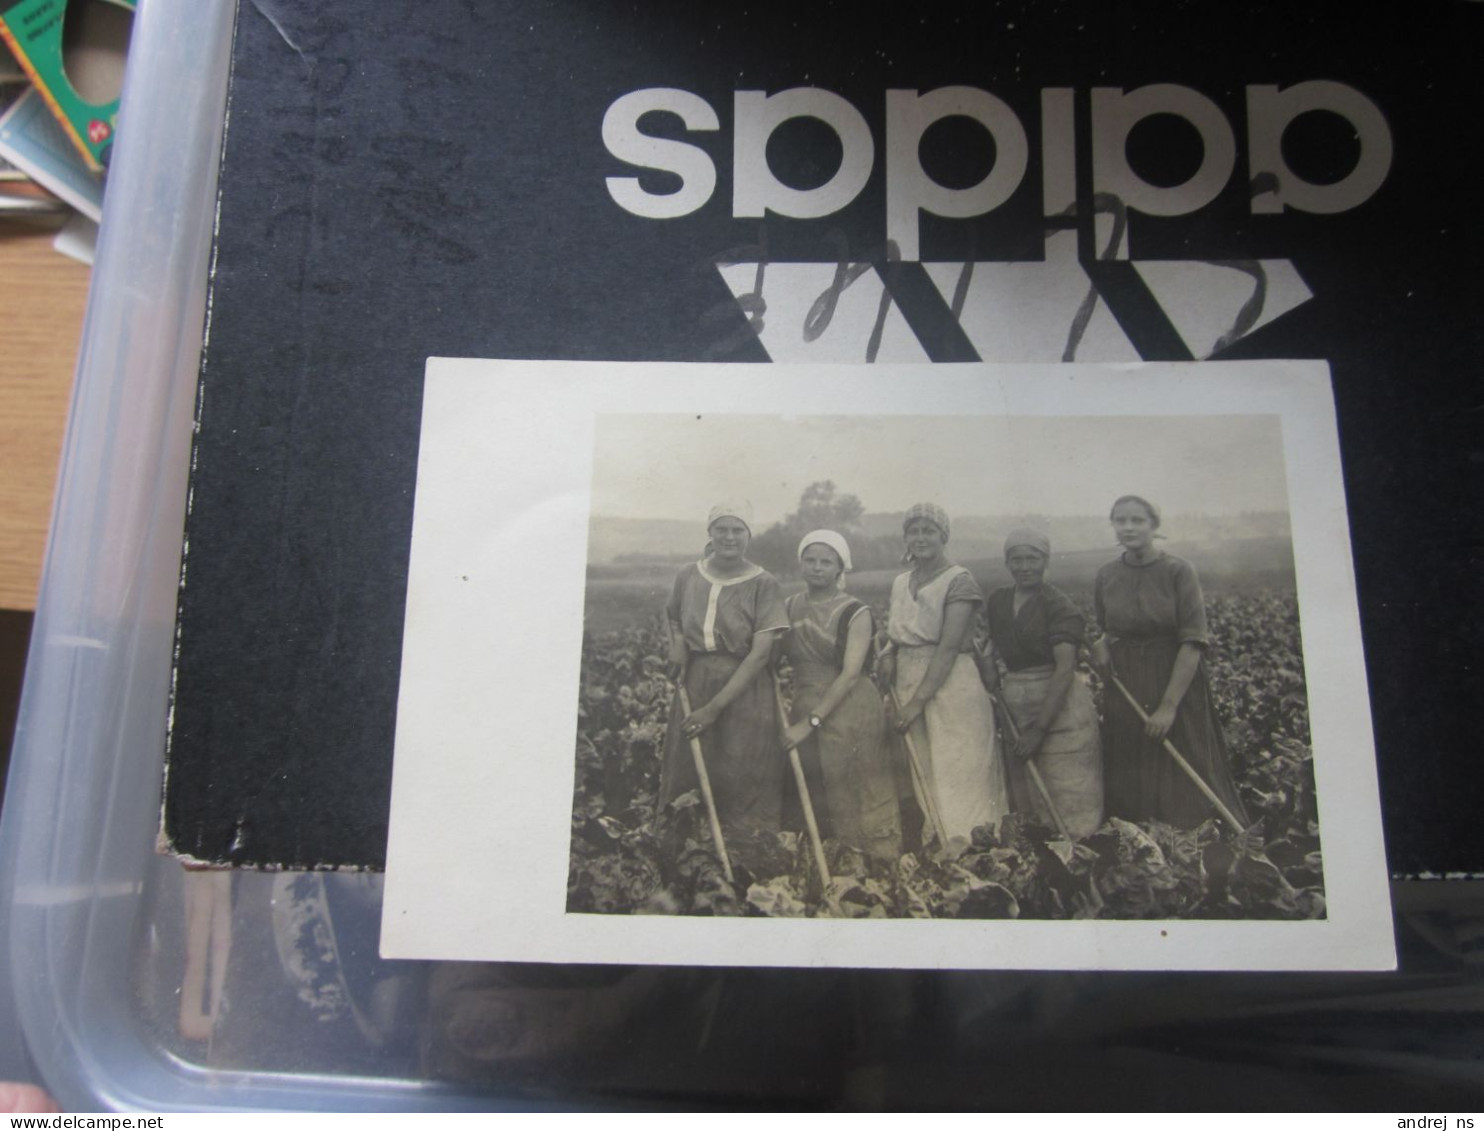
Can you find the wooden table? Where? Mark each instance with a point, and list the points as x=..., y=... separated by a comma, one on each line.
x=42, y=298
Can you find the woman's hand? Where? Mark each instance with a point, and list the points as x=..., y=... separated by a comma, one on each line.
x=795, y=735
x=910, y=713
x=989, y=673
x=1160, y=722
x=886, y=670
x=1029, y=742
x=1187, y=662
x=1100, y=654
x=698, y=721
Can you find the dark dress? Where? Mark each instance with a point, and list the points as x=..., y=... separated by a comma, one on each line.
x=719, y=616
x=1148, y=611
x=860, y=790
x=1070, y=759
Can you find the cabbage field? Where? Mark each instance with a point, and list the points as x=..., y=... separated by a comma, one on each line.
x=624, y=861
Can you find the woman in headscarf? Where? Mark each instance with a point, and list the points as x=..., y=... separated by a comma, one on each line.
x=1150, y=606
x=723, y=614
x=829, y=642
x=943, y=702
x=1035, y=631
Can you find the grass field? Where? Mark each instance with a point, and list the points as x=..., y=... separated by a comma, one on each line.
x=624, y=861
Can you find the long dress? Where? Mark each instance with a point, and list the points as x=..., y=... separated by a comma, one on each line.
x=954, y=736
x=1070, y=760
x=1148, y=610
x=719, y=616
x=860, y=791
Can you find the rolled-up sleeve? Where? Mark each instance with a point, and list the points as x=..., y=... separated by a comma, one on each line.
x=1064, y=622
x=963, y=587
x=768, y=613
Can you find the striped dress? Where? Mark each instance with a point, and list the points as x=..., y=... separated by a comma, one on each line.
x=719, y=616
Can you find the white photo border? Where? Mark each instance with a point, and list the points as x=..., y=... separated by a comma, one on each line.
x=480, y=826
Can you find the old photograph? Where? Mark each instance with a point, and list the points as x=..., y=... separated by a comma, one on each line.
x=1016, y=666
x=943, y=667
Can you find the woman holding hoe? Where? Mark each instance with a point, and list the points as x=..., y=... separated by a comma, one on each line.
x=942, y=707
x=1150, y=606
x=723, y=614
x=1035, y=631
x=828, y=643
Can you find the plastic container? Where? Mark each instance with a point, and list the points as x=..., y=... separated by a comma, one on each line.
x=138, y=985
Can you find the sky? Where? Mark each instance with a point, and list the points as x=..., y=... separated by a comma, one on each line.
x=678, y=465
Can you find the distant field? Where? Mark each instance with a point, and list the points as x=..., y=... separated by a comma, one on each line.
x=619, y=596
x=612, y=603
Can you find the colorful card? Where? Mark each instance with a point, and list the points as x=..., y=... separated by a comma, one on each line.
x=31, y=139
x=33, y=30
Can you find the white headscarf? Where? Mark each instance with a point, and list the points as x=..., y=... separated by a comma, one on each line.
x=828, y=538
x=737, y=508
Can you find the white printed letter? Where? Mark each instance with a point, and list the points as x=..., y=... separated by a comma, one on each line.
x=909, y=190
x=690, y=163
x=1269, y=112
x=1115, y=113
x=755, y=190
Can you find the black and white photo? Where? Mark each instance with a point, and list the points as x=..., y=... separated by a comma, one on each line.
x=970, y=666
x=940, y=750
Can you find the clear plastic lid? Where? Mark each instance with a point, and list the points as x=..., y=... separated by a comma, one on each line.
x=139, y=984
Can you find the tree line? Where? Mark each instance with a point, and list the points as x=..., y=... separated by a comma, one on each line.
x=823, y=506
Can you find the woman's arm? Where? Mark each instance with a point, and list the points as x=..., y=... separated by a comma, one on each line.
x=958, y=619
x=679, y=654
x=988, y=663
x=1190, y=627
x=857, y=644
x=1187, y=660
x=1065, y=656
x=886, y=666
x=747, y=671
